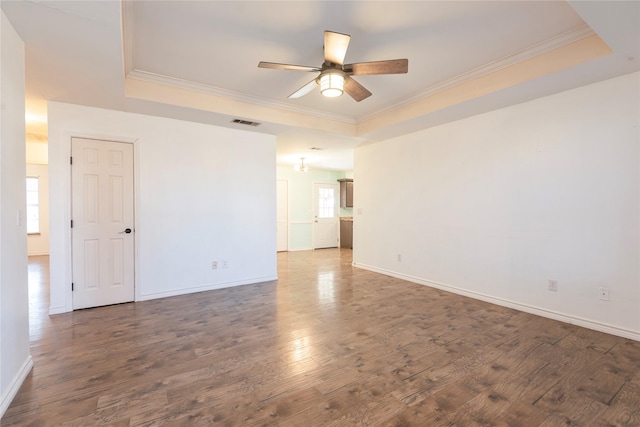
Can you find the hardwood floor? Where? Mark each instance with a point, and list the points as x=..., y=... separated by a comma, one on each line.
x=326, y=345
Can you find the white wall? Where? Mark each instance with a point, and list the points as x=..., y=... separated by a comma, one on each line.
x=38, y=244
x=495, y=205
x=37, y=149
x=203, y=193
x=15, y=361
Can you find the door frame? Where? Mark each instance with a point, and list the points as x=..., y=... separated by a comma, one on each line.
x=288, y=213
x=313, y=213
x=101, y=143
x=60, y=258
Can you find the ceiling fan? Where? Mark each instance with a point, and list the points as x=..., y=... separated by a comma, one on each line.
x=336, y=77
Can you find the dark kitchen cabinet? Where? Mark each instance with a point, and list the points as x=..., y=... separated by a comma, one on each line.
x=346, y=233
x=346, y=192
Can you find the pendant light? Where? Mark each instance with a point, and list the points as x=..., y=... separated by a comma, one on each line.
x=301, y=167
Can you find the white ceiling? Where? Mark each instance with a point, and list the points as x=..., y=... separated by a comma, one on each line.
x=197, y=60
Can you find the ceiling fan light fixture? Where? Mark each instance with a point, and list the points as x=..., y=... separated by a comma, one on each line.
x=332, y=84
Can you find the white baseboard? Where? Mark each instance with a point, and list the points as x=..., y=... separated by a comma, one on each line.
x=58, y=310
x=37, y=253
x=15, y=384
x=300, y=249
x=176, y=292
x=550, y=314
x=207, y=287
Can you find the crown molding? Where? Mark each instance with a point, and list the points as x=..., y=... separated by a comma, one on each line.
x=212, y=90
x=126, y=30
x=560, y=40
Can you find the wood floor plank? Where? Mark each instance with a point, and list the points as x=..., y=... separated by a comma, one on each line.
x=325, y=345
x=432, y=409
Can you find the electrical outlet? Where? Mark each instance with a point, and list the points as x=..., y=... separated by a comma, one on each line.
x=553, y=285
x=214, y=265
x=603, y=294
x=225, y=264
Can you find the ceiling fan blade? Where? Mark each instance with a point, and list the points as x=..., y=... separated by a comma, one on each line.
x=335, y=47
x=277, y=66
x=355, y=89
x=304, y=89
x=391, y=66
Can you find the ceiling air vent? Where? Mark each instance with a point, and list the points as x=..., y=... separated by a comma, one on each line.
x=316, y=148
x=245, y=122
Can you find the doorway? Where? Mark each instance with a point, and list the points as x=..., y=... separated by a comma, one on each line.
x=325, y=215
x=102, y=225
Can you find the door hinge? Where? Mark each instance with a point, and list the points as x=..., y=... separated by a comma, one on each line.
x=72, y=286
x=71, y=223
x=70, y=160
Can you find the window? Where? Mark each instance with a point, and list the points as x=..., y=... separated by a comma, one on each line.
x=326, y=203
x=33, y=206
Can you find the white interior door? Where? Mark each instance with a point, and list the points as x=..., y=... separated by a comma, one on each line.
x=325, y=221
x=102, y=222
x=282, y=215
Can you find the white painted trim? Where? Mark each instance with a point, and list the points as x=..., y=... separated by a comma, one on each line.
x=68, y=266
x=66, y=138
x=100, y=137
x=550, y=314
x=137, y=280
x=300, y=222
x=146, y=76
x=15, y=384
x=207, y=287
x=126, y=29
x=134, y=196
x=336, y=186
x=288, y=214
x=38, y=253
x=57, y=310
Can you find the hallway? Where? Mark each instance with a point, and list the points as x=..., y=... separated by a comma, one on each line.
x=38, y=277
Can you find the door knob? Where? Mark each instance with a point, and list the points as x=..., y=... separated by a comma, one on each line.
x=126, y=230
